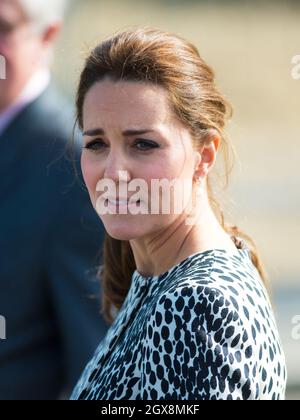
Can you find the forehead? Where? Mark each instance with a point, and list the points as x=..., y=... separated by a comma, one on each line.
x=11, y=11
x=126, y=102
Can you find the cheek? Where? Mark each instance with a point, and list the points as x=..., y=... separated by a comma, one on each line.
x=26, y=56
x=33, y=49
x=154, y=171
x=19, y=65
x=166, y=167
x=8, y=61
x=91, y=174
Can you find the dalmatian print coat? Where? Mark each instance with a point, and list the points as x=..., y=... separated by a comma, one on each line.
x=203, y=330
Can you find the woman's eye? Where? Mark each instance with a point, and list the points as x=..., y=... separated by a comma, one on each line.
x=141, y=145
x=145, y=145
x=95, y=145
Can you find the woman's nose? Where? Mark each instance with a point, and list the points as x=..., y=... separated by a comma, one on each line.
x=116, y=168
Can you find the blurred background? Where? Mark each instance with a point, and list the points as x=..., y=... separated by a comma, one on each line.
x=250, y=45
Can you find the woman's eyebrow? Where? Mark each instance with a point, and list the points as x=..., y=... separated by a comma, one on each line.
x=130, y=132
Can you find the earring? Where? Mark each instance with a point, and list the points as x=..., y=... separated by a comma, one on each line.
x=198, y=180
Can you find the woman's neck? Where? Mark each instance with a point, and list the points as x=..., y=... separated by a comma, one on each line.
x=160, y=252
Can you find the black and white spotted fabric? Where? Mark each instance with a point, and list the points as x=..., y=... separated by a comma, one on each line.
x=202, y=330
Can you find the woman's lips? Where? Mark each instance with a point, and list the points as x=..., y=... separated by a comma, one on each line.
x=120, y=203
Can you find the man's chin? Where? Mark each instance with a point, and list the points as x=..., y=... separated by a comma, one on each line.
x=3, y=94
x=6, y=97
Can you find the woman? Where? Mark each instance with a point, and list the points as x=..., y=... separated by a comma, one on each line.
x=193, y=319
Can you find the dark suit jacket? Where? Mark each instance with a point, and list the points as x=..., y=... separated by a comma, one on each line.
x=50, y=239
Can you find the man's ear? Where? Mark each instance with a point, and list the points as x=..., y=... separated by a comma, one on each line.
x=207, y=154
x=51, y=32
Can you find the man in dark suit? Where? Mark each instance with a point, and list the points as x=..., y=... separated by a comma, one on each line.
x=50, y=236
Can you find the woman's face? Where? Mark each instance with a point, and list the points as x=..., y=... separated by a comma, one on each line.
x=128, y=126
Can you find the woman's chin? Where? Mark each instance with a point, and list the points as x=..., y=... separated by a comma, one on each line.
x=122, y=233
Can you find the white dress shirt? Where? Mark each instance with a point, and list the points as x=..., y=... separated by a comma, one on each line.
x=33, y=88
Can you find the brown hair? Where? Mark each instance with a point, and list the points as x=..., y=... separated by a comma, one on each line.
x=150, y=55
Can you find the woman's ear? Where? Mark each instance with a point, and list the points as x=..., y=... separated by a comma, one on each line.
x=198, y=160
x=207, y=155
